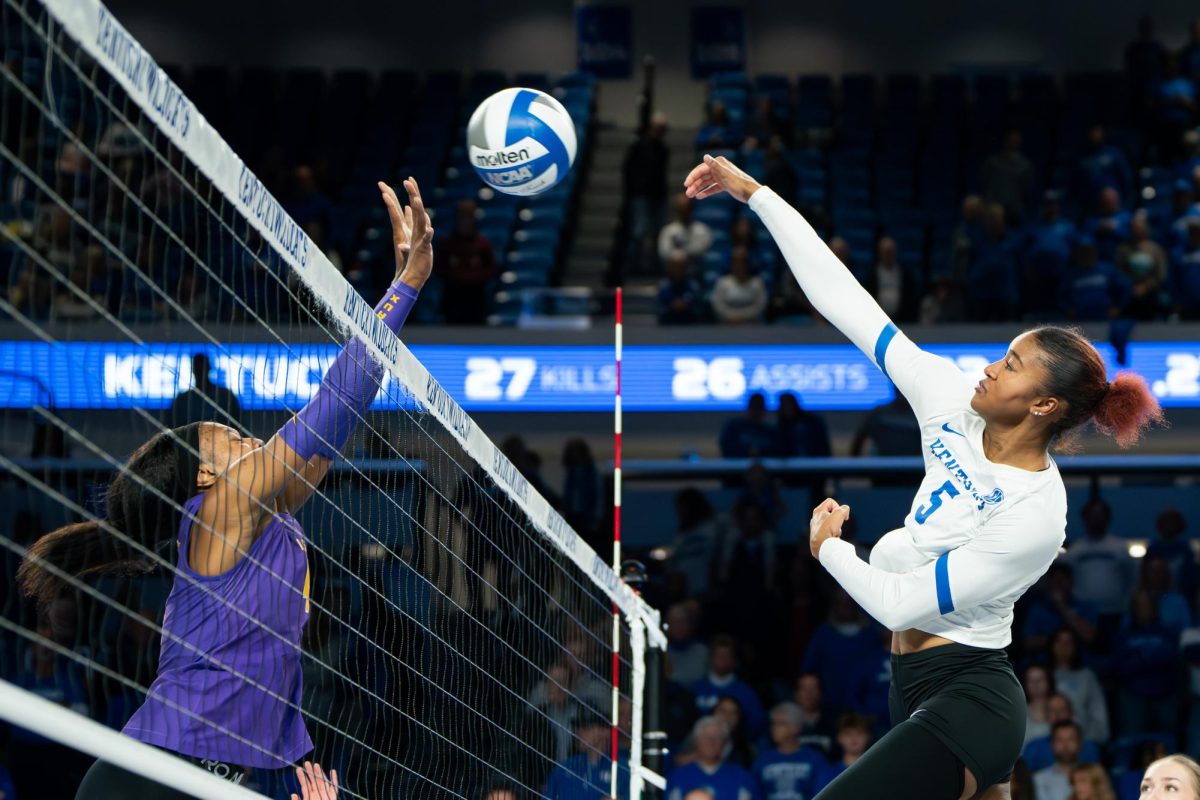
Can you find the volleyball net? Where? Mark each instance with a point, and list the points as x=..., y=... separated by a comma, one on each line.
x=459, y=638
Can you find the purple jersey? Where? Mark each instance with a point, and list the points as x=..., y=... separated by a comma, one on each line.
x=230, y=690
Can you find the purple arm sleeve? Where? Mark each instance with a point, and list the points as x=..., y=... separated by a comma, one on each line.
x=324, y=425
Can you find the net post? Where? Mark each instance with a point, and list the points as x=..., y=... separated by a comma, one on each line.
x=654, y=740
x=637, y=647
x=616, y=564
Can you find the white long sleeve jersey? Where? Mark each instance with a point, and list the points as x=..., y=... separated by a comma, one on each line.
x=979, y=534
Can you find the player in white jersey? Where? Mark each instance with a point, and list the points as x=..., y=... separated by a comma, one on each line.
x=987, y=522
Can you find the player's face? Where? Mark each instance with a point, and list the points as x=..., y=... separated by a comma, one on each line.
x=1167, y=780
x=1010, y=387
x=221, y=445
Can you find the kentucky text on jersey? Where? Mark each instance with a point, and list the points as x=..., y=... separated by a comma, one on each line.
x=943, y=454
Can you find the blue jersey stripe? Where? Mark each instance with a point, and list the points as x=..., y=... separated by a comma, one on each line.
x=881, y=346
x=941, y=576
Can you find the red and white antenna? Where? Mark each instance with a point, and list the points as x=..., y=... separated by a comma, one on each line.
x=616, y=564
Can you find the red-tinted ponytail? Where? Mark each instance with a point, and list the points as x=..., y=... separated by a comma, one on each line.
x=1076, y=375
x=1127, y=409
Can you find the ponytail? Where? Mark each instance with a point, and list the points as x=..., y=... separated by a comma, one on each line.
x=1077, y=376
x=142, y=507
x=1127, y=409
x=76, y=550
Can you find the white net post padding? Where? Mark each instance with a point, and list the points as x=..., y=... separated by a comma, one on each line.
x=21, y=707
x=637, y=647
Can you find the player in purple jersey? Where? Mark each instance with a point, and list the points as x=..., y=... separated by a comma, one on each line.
x=227, y=694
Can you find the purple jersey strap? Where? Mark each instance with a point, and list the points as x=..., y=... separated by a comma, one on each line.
x=324, y=425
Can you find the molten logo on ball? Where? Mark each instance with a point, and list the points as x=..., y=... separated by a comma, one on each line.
x=521, y=141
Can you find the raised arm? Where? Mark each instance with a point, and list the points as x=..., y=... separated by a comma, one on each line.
x=930, y=383
x=285, y=471
x=1009, y=554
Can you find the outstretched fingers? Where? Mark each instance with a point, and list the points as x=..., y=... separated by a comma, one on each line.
x=422, y=226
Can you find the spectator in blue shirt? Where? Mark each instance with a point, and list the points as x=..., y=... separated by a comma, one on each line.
x=1045, y=253
x=750, y=435
x=1093, y=289
x=680, y=300
x=1053, y=604
x=587, y=775
x=845, y=638
x=854, y=737
x=1102, y=166
x=787, y=770
x=722, y=681
x=1185, y=273
x=1175, y=549
x=992, y=278
x=1146, y=657
x=710, y=770
x=1109, y=225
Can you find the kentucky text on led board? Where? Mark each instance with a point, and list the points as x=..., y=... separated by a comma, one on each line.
x=491, y=378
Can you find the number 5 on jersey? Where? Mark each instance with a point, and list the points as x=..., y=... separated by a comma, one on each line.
x=924, y=512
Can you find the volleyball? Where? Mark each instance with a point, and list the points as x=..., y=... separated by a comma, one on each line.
x=521, y=141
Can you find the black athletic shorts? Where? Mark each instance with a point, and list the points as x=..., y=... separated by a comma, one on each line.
x=970, y=699
x=110, y=782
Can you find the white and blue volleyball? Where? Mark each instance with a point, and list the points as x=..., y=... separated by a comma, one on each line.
x=521, y=141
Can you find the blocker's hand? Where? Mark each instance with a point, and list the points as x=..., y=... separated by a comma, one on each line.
x=826, y=523
x=412, y=234
x=313, y=783
x=716, y=175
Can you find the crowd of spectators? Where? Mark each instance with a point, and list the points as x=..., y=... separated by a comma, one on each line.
x=773, y=664
x=1105, y=226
